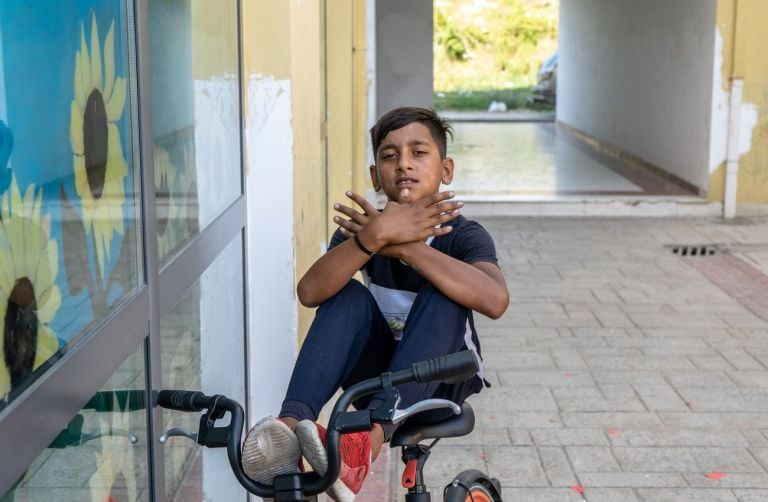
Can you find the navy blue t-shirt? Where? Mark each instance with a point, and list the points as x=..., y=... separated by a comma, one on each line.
x=395, y=284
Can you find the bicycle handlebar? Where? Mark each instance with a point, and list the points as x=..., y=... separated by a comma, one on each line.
x=181, y=400
x=451, y=368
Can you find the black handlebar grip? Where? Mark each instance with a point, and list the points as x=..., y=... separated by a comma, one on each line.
x=452, y=368
x=181, y=400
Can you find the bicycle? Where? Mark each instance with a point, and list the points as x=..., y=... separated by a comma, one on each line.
x=469, y=485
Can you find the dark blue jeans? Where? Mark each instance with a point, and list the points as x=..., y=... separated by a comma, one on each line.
x=350, y=341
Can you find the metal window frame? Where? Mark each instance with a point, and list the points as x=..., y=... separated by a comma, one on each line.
x=35, y=418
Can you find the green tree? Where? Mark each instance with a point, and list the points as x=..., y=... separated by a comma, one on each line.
x=492, y=44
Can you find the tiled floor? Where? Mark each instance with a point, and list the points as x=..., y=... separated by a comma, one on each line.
x=532, y=158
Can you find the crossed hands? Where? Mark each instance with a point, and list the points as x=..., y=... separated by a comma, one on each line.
x=399, y=223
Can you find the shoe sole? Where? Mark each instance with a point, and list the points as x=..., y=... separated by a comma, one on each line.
x=313, y=450
x=270, y=449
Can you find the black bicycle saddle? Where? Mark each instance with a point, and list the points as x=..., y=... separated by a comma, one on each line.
x=412, y=432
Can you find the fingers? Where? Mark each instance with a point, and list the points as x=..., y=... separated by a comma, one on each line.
x=447, y=216
x=436, y=198
x=348, y=227
x=351, y=213
x=445, y=229
x=361, y=201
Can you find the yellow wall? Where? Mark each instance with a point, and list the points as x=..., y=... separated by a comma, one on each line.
x=742, y=26
x=329, y=99
x=214, y=46
x=307, y=111
x=319, y=45
x=347, y=101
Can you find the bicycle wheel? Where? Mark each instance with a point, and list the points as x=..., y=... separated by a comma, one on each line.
x=472, y=486
x=478, y=493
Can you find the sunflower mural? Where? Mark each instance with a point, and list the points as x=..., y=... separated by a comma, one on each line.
x=29, y=297
x=99, y=165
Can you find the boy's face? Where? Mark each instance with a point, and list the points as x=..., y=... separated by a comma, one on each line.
x=409, y=158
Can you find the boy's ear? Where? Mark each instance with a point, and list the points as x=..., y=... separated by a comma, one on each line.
x=447, y=175
x=375, y=178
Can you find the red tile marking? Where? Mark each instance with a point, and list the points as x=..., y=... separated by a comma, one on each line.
x=740, y=280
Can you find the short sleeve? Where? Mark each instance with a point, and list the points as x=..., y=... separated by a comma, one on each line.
x=473, y=243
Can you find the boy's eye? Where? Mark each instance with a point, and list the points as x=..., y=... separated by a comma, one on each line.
x=388, y=156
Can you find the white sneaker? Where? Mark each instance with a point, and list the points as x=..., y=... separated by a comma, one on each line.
x=270, y=449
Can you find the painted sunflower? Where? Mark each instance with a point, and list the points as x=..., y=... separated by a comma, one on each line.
x=100, y=167
x=29, y=297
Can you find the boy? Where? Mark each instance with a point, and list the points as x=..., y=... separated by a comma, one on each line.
x=428, y=268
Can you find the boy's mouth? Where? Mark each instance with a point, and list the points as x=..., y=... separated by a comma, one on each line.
x=405, y=182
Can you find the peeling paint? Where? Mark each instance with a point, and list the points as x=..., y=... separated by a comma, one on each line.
x=272, y=305
x=720, y=98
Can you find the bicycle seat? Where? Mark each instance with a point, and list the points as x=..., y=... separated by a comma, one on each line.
x=413, y=432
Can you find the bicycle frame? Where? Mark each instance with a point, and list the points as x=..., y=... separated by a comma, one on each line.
x=305, y=486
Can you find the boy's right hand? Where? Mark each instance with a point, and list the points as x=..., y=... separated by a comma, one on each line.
x=399, y=222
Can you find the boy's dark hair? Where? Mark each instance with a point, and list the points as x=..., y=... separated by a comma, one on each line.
x=401, y=117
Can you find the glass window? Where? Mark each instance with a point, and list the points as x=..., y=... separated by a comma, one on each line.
x=101, y=455
x=203, y=348
x=68, y=178
x=195, y=115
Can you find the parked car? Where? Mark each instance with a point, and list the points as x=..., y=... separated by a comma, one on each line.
x=545, y=90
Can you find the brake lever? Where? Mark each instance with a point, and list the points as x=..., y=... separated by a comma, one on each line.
x=425, y=405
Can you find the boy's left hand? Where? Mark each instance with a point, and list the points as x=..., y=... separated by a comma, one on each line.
x=358, y=220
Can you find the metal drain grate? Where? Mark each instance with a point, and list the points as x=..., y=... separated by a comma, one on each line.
x=694, y=249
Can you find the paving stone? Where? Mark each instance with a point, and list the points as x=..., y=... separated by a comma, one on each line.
x=540, y=494
x=610, y=420
x=517, y=398
x=755, y=437
x=709, y=420
x=610, y=495
x=524, y=360
x=662, y=344
x=678, y=437
x=570, y=399
x=516, y=465
x=757, y=379
x=520, y=436
x=686, y=495
x=659, y=397
x=681, y=459
x=714, y=362
x=632, y=479
x=626, y=376
x=668, y=332
x=720, y=399
x=744, y=495
x=572, y=320
x=568, y=359
x=547, y=378
x=592, y=459
x=518, y=419
x=556, y=466
x=730, y=480
x=681, y=320
x=740, y=359
x=569, y=437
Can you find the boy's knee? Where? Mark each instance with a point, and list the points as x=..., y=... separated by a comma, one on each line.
x=352, y=295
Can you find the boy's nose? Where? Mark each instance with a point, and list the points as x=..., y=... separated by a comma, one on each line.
x=404, y=163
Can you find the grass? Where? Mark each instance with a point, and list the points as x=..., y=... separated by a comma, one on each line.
x=515, y=99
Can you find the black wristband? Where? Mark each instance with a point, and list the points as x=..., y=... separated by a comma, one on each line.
x=361, y=246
